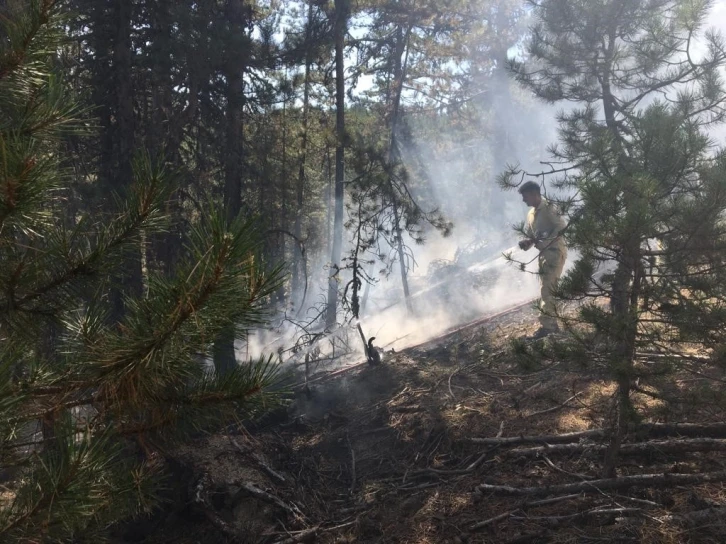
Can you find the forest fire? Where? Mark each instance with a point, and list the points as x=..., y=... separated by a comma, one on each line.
x=271, y=271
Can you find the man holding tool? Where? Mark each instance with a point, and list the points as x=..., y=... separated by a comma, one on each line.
x=543, y=228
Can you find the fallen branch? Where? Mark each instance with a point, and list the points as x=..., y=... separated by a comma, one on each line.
x=554, y=408
x=501, y=429
x=709, y=515
x=201, y=498
x=478, y=461
x=558, y=520
x=716, y=430
x=596, y=486
x=637, y=448
x=259, y=460
x=304, y=536
x=251, y=489
x=308, y=535
x=543, y=439
x=451, y=392
x=352, y=466
x=505, y=515
x=331, y=374
x=563, y=471
x=652, y=429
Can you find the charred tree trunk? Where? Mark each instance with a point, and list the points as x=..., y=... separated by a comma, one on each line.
x=235, y=64
x=297, y=261
x=122, y=141
x=234, y=74
x=282, y=241
x=341, y=20
x=164, y=127
x=400, y=60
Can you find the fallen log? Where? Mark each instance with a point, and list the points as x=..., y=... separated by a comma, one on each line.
x=692, y=430
x=708, y=515
x=717, y=430
x=542, y=439
x=559, y=520
x=637, y=448
x=597, y=486
x=505, y=515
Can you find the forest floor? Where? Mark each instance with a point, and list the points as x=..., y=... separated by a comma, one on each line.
x=385, y=454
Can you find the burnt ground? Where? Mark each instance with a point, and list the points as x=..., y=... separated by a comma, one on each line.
x=383, y=455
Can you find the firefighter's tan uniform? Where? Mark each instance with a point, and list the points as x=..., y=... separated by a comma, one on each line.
x=544, y=224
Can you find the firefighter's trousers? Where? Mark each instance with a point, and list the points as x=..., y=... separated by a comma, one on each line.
x=551, y=263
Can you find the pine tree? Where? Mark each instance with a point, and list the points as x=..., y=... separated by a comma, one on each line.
x=644, y=179
x=107, y=392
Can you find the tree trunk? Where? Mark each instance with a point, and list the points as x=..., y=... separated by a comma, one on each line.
x=399, y=69
x=224, y=353
x=122, y=141
x=234, y=70
x=341, y=19
x=164, y=129
x=282, y=244
x=624, y=291
x=297, y=261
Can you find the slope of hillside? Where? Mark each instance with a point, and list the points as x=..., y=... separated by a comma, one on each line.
x=385, y=454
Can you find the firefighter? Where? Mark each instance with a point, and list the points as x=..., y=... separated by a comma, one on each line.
x=543, y=227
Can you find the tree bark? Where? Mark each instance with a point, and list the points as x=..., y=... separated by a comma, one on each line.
x=341, y=20
x=234, y=72
x=399, y=69
x=297, y=261
x=122, y=141
x=235, y=64
x=623, y=289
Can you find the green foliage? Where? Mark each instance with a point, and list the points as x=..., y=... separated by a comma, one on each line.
x=86, y=399
x=647, y=204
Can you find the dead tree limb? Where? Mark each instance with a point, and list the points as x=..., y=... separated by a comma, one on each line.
x=596, y=486
x=709, y=515
x=304, y=536
x=259, y=460
x=352, y=466
x=558, y=520
x=554, y=408
x=308, y=535
x=505, y=515
x=542, y=439
x=637, y=448
x=692, y=430
x=650, y=429
x=201, y=498
x=248, y=488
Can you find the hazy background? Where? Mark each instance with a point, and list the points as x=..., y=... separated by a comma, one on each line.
x=463, y=277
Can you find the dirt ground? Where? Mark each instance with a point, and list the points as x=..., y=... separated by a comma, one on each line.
x=384, y=455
